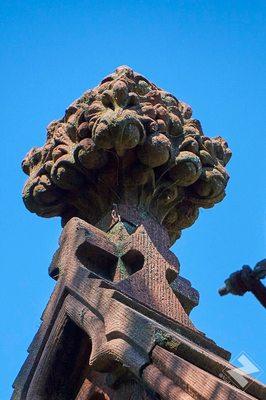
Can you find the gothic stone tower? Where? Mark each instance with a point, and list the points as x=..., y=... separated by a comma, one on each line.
x=127, y=168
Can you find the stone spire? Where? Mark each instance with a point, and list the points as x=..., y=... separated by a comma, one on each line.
x=127, y=168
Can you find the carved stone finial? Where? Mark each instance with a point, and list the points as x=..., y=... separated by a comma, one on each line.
x=127, y=142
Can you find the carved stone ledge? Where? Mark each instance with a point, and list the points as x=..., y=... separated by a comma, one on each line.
x=127, y=141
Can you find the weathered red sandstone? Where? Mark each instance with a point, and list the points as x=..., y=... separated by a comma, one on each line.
x=127, y=168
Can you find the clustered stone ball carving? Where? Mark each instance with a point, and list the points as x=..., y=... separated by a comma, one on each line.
x=127, y=141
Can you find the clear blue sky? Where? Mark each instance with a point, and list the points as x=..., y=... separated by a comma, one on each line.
x=212, y=54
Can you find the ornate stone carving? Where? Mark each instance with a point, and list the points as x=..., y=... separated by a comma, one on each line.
x=127, y=142
x=247, y=280
x=117, y=325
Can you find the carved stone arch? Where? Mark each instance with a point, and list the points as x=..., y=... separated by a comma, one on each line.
x=64, y=366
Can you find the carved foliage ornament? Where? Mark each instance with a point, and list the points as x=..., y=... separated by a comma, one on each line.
x=127, y=141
